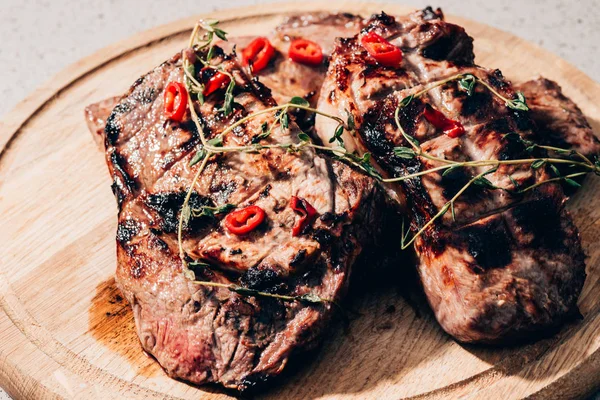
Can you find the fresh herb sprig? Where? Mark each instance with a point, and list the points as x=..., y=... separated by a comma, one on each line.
x=467, y=83
x=307, y=298
x=210, y=148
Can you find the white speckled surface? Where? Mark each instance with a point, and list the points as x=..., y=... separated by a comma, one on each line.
x=39, y=38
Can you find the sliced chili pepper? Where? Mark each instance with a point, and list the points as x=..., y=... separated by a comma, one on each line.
x=258, y=54
x=306, y=212
x=175, y=98
x=450, y=127
x=216, y=81
x=305, y=52
x=245, y=220
x=381, y=50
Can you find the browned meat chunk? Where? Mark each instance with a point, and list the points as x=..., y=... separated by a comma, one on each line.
x=205, y=334
x=559, y=121
x=502, y=264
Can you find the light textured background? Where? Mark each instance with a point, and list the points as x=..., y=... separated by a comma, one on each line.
x=39, y=38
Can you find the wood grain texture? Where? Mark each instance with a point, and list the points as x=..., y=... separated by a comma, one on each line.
x=65, y=331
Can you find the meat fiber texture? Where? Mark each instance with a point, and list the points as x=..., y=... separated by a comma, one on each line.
x=485, y=282
x=203, y=334
x=502, y=266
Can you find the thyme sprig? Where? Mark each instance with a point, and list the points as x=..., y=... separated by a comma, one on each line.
x=212, y=147
x=307, y=298
x=467, y=83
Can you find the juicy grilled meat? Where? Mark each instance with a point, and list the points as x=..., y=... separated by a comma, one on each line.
x=96, y=115
x=203, y=334
x=559, y=121
x=287, y=78
x=505, y=264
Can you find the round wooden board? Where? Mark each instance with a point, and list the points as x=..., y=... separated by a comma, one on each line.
x=65, y=332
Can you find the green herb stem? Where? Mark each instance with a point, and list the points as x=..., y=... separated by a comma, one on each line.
x=444, y=209
x=306, y=298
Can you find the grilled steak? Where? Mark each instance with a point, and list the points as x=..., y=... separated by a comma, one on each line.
x=500, y=265
x=203, y=334
x=96, y=115
x=559, y=121
x=286, y=78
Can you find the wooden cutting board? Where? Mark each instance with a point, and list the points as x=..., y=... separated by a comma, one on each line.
x=65, y=331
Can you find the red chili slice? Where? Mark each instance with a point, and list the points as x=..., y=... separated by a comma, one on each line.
x=217, y=81
x=450, y=127
x=175, y=98
x=245, y=220
x=258, y=54
x=381, y=50
x=305, y=52
x=306, y=212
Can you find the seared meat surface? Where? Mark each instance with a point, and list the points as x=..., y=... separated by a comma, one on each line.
x=96, y=115
x=559, y=121
x=204, y=334
x=505, y=265
x=501, y=265
x=287, y=78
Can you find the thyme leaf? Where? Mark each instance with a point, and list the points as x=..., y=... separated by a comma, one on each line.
x=405, y=152
x=207, y=211
x=451, y=170
x=519, y=103
x=217, y=141
x=228, y=100
x=221, y=34
x=300, y=101
x=285, y=121
x=303, y=137
x=310, y=298
x=572, y=182
x=485, y=183
x=337, y=135
x=198, y=264
x=350, y=121
x=186, y=214
x=199, y=156
x=537, y=164
x=406, y=101
x=211, y=53
x=467, y=83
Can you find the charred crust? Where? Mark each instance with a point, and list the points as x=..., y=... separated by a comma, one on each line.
x=263, y=279
x=119, y=165
x=478, y=105
x=113, y=127
x=262, y=92
x=341, y=77
x=168, y=205
x=489, y=244
x=542, y=219
x=253, y=383
x=524, y=122
x=126, y=230
x=322, y=236
x=497, y=80
x=145, y=96
x=455, y=180
x=117, y=189
x=298, y=258
x=383, y=18
x=428, y=14
x=265, y=192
